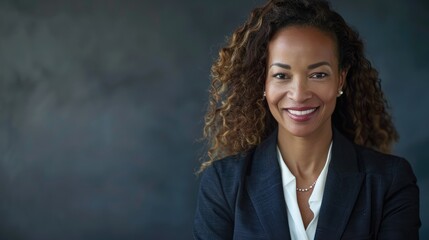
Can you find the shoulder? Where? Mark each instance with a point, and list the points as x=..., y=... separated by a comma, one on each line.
x=374, y=162
x=220, y=182
x=229, y=169
x=392, y=172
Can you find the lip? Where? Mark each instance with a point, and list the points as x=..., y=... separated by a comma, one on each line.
x=301, y=114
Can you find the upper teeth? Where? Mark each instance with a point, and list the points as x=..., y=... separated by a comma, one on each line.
x=300, y=113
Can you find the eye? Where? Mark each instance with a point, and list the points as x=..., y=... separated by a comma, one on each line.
x=319, y=75
x=280, y=76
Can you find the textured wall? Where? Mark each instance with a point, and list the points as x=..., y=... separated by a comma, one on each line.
x=101, y=104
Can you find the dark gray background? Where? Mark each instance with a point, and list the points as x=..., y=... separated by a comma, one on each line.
x=101, y=104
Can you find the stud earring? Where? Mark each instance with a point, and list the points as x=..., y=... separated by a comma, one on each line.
x=340, y=92
x=264, y=95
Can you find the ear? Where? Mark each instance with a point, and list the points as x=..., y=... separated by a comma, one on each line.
x=343, y=77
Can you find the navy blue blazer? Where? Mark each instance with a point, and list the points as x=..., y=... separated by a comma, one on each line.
x=368, y=195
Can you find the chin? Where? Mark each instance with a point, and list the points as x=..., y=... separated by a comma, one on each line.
x=297, y=131
x=304, y=130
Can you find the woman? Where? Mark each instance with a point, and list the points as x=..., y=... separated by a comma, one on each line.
x=298, y=134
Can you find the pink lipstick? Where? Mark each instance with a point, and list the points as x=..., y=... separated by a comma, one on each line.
x=301, y=114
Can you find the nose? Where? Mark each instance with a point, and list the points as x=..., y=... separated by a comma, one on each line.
x=299, y=91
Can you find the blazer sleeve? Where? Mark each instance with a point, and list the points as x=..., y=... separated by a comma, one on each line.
x=401, y=206
x=213, y=217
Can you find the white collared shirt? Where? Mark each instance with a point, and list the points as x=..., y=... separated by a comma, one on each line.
x=296, y=225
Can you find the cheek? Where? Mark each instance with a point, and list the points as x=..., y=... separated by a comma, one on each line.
x=273, y=93
x=329, y=100
x=331, y=96
x=273, y=97
x=327, y=94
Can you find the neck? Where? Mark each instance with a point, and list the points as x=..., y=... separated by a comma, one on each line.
x=305, y=156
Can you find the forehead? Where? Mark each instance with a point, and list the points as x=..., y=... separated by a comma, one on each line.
x=302, y=42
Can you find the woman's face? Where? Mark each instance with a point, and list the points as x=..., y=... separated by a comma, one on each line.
x=303, y=80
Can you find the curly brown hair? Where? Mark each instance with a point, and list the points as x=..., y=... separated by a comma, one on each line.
x=238, y=118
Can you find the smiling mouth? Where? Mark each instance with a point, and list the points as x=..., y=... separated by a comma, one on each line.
x=302, y=112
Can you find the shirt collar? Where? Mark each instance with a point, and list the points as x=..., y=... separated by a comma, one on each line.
x=289, y=178
x=318, y=190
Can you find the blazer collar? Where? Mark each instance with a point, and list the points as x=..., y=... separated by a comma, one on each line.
x=342, y=186
x=265, y=189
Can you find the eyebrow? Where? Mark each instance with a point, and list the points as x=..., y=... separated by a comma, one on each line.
x=285, y=66
x=315, y=65
x=311, y=66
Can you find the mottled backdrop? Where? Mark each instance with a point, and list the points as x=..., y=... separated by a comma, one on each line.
x=101, y=106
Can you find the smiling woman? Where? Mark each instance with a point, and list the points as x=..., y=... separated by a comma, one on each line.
x=303, y=81
x=299, y=136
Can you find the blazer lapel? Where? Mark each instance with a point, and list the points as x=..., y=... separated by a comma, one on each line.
x=342, y=187
x=266, y=190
